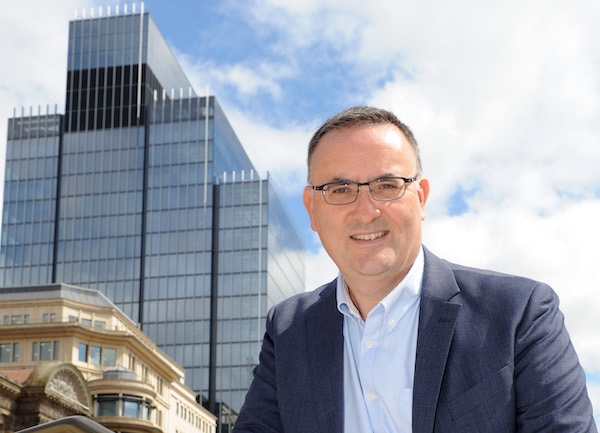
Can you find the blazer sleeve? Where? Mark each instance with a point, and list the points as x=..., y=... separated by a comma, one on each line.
x=551, y=393
x=260, y=412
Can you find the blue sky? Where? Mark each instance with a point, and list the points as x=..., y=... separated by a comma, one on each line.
x=503, y=97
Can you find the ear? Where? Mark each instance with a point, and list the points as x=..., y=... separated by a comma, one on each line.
x=423, y=195
x=308, y=199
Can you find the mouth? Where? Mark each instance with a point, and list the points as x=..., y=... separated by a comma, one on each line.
x=369, y=237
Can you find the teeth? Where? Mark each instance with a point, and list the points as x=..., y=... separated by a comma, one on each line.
x=370, y=237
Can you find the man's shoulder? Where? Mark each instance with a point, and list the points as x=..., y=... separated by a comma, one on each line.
x=305, y=300
x=312, y=307
x=467, y=276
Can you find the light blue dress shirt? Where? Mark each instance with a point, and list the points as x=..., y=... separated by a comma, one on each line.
x=379, y=357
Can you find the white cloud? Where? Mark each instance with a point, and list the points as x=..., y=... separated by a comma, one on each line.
x=304, y=23
x=33, y=43
x=248, y=79
x=281, y=151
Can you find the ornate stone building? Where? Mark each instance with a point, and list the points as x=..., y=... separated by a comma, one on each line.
x=66, y=350
x=31, y=396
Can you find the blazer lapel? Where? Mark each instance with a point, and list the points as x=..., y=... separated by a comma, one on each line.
x=325, y=346
x=436, y=328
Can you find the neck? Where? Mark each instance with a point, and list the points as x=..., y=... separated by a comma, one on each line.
x=364, y=316
x=365, y=301
x=366, y=293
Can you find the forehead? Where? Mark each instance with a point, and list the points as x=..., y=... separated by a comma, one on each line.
x=376, y=149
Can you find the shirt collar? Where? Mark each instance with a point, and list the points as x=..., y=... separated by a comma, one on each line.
x=396, y=303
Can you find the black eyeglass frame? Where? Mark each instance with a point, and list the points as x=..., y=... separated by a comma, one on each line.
x=406, y=180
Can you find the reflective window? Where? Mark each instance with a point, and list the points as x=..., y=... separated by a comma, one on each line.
x=83, y=352
x=34, y=351
x=45, y=351
x=5, y=352
x=108, y=405
x=109, y=357
x=95, y=354
x=132, y=407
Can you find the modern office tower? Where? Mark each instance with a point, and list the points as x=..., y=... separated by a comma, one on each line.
x=142, y=191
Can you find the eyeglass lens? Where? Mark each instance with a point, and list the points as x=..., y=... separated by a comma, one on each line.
x=380, y=189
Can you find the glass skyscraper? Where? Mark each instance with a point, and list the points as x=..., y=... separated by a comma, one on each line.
x=142, y=190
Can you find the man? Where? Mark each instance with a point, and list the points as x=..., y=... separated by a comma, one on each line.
x=403, y=341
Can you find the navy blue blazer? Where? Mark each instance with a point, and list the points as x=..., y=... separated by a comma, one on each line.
x=493, y=355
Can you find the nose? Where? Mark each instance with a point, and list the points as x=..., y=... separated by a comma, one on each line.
x=365, y=206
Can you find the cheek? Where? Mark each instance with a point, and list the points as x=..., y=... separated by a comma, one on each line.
x=319, y=220
x=313, y=224
x=326, y=222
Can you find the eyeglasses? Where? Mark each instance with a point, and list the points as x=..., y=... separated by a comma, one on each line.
x=384, y=189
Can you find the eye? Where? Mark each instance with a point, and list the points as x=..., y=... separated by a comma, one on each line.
x=387, y=184
x=339, y=188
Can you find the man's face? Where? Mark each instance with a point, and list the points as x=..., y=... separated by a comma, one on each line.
x=368, y=238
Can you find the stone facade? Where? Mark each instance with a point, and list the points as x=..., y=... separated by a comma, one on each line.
x=68, y=351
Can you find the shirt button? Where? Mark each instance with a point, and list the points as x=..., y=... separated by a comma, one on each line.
x=370, y=397
x=391, y=322
x=369, y=344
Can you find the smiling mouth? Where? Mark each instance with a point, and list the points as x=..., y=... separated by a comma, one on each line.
x=369, y=237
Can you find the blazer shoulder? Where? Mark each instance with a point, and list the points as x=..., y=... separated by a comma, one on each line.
x=499, y=291
x=469, y=277
x=304, y=304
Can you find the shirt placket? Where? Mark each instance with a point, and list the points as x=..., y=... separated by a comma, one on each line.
x=368, y=351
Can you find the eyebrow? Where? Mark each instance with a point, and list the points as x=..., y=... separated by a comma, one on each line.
x=346, y=180
x=340, y=180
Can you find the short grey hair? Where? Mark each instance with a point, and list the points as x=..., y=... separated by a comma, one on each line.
x=362, y=115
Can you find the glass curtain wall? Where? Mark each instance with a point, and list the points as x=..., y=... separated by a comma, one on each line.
x=260, y=262
x=30, y=189
x=242, y=276
x=179, y=233
x=100, y=216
